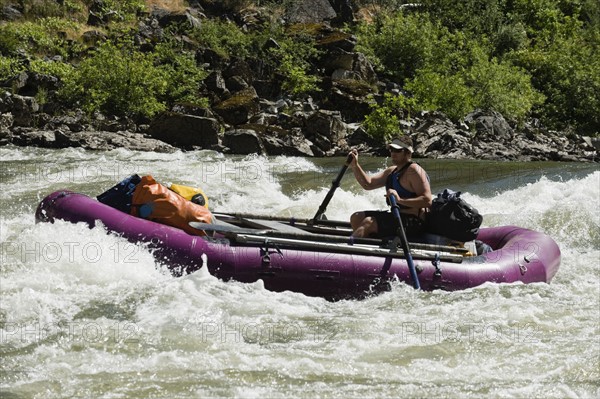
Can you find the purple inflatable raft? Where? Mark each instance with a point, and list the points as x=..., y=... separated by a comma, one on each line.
x=317, y=260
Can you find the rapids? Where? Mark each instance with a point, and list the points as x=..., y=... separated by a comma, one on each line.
x=87, y=314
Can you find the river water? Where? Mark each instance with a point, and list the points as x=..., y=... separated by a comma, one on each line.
x=86, y=314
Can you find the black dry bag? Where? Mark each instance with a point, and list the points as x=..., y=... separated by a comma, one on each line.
x=120, y=196
x=453, y=217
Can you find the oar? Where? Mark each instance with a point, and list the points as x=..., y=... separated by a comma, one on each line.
x=339, y=248
x=404, y=242
x=229, y=228
x=287, y=219
x=334, y=185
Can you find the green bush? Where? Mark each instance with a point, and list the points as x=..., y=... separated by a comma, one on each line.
x=383, y=121
x=568, y=74
x=182, y=73
x=9, y=67
x=224, y=37
x=502, y=87
x=292, y=59
x=400, y=44
x=61, y=70
x=126, y=10
x=39, y=38
x=449, y=94
x=117, y=79
x=25, y=36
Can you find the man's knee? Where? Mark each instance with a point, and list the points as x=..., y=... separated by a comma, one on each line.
x=357, y=219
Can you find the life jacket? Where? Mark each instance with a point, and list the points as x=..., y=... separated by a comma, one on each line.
x=155, y=202
x=393, y=181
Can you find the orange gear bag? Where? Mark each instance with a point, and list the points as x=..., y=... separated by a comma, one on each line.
x=153, y=201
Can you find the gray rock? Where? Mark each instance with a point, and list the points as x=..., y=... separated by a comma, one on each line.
x=91, y=140
x=489, y=124
x=36, y=138
x=236, y=83
x=10, y=13
x=243, y=141
x=6, y=122
x=216, y=84
x=310, y=11
x=23, y=109
x=239, y=108
x=185, y=131
x=325, y=129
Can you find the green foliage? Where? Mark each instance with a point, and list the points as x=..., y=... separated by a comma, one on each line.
x=292, y=60
x=61, y=70
x=568, y=73
x=25, y=36
x=400, y=45
x=182, y=73
x=434, y=91
x=502, y=87
x=519, y=57
x=125, y=10
x=453, y=71
x=39, y=37
x=9, y=67
x=482, y=17
x=117, y=79
x=383, y=121
x=224, y=37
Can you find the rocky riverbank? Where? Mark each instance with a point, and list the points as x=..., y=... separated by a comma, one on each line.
x=312, y=132
x=248, y=114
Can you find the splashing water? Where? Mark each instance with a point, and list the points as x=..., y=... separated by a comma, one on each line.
x=84, y=313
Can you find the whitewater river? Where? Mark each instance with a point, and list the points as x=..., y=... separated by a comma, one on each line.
x=86, y=314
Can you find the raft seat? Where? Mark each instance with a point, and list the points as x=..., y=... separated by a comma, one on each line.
x=274, y=225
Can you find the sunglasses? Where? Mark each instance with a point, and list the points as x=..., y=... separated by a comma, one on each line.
x=398, y=149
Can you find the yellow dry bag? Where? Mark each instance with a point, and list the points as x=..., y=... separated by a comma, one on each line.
x=193, y=194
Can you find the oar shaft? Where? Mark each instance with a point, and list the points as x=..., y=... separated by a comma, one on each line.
x=334, y=185
x=291, y=220
x=338, y=248
x=318, y=237
x=404, y=243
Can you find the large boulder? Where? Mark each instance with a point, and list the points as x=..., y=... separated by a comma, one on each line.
x=22, y=108
x=185, y=131
x=166, y=18
x=215, y=83
x=243, y=141
x=239, y=108
x=6, y=122
x=350, y=97
x=293, y=144
x=436, y=136
x=310, y=11
x=10, y=13
x=326, y=129
x=489, y=125
x=344, y=10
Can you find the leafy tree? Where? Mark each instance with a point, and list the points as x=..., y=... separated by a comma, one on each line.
x=568, y=74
